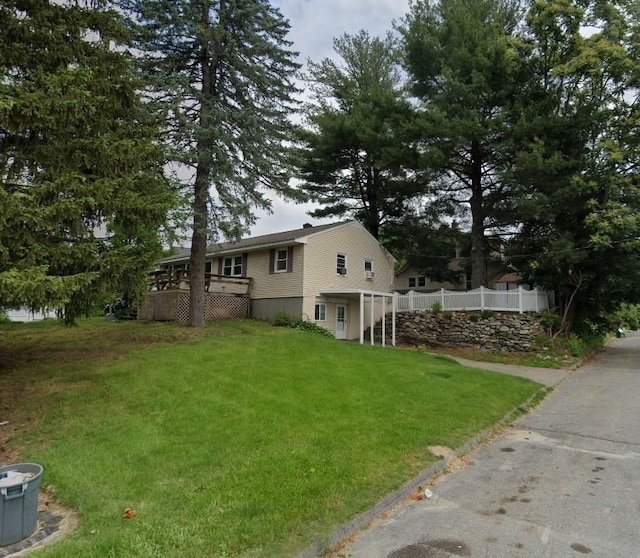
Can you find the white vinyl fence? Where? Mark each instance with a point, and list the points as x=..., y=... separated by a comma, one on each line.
x=520, y=300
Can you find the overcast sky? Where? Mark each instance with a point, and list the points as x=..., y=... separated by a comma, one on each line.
x=314, y=24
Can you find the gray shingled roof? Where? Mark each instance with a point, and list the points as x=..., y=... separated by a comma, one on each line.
x=255, y=242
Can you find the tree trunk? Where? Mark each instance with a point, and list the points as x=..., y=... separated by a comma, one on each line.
x=568, y=306
x=198, y=250
x=201, y=190
x=478, y=247
x=374, y=216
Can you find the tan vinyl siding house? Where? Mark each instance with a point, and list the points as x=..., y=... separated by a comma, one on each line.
x=273, y=290
x=336, y=275
x=323, y=284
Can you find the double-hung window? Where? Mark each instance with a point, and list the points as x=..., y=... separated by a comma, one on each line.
x=420, y=281
x=281, y=260
x=341, y=264
x=232, y=266
x=321, y=312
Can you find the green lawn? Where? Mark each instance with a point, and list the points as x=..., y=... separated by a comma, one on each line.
x=239, y=440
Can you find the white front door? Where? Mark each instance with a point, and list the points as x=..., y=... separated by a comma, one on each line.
x=341, y=321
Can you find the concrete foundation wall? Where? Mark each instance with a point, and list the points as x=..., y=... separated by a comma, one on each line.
x=268, y=308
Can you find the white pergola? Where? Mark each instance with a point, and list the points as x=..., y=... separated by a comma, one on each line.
x=371, y=297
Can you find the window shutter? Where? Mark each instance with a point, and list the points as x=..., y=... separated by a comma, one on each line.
x=272, y=261
x=245, y=257
x=220, y=265
x=290, y=259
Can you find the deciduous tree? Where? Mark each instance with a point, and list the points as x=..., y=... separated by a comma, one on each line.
x=577, y=163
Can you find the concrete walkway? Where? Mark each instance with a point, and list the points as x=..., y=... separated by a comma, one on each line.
x=563, y=481
x=545, y=376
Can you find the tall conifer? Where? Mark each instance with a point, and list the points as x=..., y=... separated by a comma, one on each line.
x=462, y=67
x=81, y=187
x=220, y=76
x=356, y=145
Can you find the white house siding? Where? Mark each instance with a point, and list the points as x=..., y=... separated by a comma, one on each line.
x=330, y=303
x=321, y=251
x=312, y=275
x=352, y=240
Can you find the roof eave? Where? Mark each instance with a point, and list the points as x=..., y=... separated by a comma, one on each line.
x=234, y=250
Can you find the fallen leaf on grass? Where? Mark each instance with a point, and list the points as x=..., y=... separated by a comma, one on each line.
x=129, y=513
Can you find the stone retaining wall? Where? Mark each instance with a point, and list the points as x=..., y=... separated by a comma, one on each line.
x=494, y=331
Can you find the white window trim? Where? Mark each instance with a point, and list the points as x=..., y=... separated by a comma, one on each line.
x=233, y=265
x=321, y=311
x=416, y=280
x=285, y=260
x=344, y=258
x=369, y=274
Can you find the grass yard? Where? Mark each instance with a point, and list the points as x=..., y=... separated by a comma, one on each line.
x=238, y=440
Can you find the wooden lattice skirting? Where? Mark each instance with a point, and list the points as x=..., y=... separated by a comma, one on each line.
x=174, y=306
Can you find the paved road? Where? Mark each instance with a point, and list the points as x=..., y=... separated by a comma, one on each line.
x=564, y=481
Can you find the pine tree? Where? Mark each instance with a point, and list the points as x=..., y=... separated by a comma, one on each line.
x=356, y=141
x=82, y=193
x=220, y=77
x=462, y=68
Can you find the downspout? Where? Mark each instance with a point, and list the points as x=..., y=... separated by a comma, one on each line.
x=361, y=318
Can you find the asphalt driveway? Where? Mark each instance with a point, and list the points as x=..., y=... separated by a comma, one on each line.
x=563, y=481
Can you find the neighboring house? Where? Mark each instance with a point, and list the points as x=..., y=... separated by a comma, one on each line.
x=336, y=275
x=499, y=275
x=410, y=278
x=509, y=281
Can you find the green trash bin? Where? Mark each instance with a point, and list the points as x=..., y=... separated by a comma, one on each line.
x=19, y=486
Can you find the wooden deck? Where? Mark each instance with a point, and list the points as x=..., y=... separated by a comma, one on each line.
x=173, y=305
x=168, y=297
x=178, y=279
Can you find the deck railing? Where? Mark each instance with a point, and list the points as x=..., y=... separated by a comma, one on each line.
x=172, y=279
x=520, y=300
